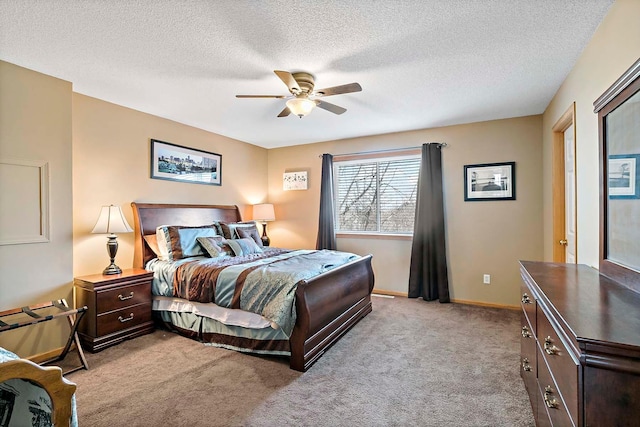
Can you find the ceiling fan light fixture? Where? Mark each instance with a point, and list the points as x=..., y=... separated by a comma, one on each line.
x=300, y=106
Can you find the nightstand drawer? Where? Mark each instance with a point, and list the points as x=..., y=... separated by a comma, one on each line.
x=116, y=299
x=119, y=320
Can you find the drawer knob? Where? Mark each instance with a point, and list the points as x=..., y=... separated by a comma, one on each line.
x=525, y=332
x=549, y=400
x=549, y=348
x=122, y=298
x=525, y=365
x=526, y=299
x=125, y=319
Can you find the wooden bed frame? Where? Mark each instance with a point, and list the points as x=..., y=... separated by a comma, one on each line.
x=327, y=305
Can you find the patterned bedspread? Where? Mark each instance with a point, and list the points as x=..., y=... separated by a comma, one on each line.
x=265, y=285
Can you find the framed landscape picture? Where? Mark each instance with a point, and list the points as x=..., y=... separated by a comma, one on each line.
x=177, y=163
x=490, y=181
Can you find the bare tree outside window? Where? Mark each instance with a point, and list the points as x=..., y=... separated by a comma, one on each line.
x=377, y=196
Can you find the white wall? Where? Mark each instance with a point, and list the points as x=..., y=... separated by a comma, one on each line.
x=35, y=124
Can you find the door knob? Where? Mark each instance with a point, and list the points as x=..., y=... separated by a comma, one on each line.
x=563, y=242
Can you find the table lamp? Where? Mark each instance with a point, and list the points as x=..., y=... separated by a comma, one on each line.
x=111, y=221
x=263, y=213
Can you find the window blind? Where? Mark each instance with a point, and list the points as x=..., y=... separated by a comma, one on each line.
x=376, y=196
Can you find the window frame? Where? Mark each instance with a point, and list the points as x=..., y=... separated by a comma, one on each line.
x=377, y=158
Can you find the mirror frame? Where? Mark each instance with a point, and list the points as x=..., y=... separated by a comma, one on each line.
x=623, y=89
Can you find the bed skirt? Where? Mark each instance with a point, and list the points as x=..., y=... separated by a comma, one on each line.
x=212, y=332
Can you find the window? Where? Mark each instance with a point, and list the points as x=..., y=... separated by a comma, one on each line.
x=376, y=195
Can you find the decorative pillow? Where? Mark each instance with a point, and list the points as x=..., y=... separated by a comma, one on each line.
x=176, y=242
x=215, y=246
x=152, y=241
x=228, y=229
x=250, y=232
x=244, y=246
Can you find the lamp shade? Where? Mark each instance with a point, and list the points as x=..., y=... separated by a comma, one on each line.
x=111, y=220
x=263, y=212
x=300, y=106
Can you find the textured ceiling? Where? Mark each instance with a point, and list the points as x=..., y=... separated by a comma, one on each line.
x=421, y=63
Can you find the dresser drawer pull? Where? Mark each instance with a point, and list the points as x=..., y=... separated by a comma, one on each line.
x=549, y=348
x=525, y=332
x=549, y=400
x=525, y=365
x=121, y=298
x=526, y=299
x=125, y=319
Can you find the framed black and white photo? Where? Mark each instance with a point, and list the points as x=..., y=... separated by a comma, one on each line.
x=490, y=181
x=177, y=163
x=624, y=178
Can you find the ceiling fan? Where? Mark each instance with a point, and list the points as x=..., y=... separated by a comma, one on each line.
x=304, y=98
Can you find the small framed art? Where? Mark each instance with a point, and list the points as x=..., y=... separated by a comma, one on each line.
x=177, y=163
x=490, y=181
x=295, y=181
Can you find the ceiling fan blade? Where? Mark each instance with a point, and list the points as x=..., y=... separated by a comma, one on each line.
x=288, y=79
x=330, y=107
x=262, y=96
x=337, y=90
x=285, y=112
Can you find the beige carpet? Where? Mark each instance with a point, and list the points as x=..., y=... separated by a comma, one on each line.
x=409, y=363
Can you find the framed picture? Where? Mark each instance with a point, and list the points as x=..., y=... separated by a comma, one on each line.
x=294, y=181
x=177, y=163
x=490, y=181
x=624, y=178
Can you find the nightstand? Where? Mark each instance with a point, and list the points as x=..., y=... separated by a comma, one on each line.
x=118, y=307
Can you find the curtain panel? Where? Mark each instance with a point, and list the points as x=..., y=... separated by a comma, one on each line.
x=428, y=277
x=326, y=223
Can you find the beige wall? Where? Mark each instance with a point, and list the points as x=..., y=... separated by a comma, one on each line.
x=111, y=154
x=35, y=125
x=482, y=237
x=615, y=46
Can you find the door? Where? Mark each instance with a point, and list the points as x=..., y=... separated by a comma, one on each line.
x=564, y=188
x=570, y=195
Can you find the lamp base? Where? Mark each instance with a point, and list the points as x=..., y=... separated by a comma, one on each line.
x=112, y=249
x=266, y=241
x=112, y=269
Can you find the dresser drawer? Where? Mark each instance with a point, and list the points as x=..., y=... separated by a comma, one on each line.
x=528, y=358
x=119, y=320
x=528, y=304
x=561, y=363
x=122, y=297
x=551, y=403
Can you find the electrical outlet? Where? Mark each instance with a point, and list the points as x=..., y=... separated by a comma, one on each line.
x=487, y=279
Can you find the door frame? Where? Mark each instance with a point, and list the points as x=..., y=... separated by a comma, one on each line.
x=567, y=119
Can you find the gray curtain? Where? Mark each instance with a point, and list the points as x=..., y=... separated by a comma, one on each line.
x=428, y=276
x=326, y=227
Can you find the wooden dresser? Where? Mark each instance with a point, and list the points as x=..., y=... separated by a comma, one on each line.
x=118, y=307
x=580, y=346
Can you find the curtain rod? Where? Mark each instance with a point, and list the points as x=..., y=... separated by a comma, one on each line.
x=390, y=150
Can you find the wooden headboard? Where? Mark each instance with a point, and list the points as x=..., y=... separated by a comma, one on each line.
x=148, y=216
